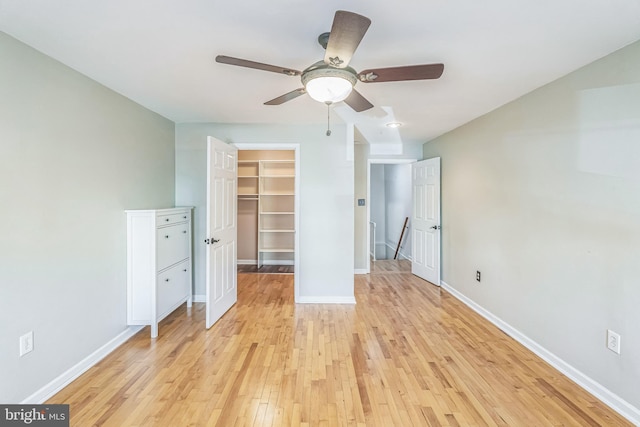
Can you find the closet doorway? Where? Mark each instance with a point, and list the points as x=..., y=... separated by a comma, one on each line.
x=268, y=209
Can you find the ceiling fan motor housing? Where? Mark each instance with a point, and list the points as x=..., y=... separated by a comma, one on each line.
x=320, y=69
x=328, y=84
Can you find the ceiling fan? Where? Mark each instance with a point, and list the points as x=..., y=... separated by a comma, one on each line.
x=332, y=80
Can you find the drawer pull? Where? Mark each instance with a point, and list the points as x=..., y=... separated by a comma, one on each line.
x=166, y=219
x=185, y=270
x=166, y=236
x=166, y=280
x=185, y=231
x=185, y=217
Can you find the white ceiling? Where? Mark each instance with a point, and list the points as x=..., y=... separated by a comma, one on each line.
x=160, y=53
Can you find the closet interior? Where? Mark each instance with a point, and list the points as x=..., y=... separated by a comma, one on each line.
x=266, y=209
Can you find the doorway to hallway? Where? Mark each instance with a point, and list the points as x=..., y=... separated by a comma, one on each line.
x=389, y=188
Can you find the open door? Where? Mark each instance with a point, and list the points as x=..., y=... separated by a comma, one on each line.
x=426, y=220
x=221, y=283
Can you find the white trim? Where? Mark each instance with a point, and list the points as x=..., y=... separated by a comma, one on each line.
x=265, y=262
x=399, y=252
x=326, y=300
x=360, y=271
x=408, y=258
x=276, y=262
x=614, y=401
x=200, y=298
x=63, y=380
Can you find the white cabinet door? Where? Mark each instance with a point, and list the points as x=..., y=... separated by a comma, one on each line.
x=222, y=175
x=172, y=244
x=426, y=220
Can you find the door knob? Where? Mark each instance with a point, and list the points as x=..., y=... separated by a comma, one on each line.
x=435, y=227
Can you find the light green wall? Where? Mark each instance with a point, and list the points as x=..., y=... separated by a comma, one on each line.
x=361, y=252
x=73, y=156
x=543, y=197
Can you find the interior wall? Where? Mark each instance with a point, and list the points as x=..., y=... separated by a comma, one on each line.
x=326, y=200
x=74, y=155
x=543, y=196
x=377, y=210
x=360, y=221
x=247, y=231
x=398, y=205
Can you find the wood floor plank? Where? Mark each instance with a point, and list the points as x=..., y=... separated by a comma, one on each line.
x=406, y=354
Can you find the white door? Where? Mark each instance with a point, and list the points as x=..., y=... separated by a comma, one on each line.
x=222, y=174
x=426, y=220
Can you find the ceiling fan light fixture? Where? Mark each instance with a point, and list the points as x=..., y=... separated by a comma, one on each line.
x=329, y=89
x=328, y=85
x=394, y=125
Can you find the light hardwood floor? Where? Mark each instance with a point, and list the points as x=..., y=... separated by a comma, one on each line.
x=407, y=354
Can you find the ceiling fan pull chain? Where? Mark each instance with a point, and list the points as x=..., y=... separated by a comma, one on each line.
x=328, y=119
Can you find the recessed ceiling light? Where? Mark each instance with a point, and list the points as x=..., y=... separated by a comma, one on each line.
x=394, y=125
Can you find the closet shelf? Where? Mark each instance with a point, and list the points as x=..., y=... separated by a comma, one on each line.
x=272, y=183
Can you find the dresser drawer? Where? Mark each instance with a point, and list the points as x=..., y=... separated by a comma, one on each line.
x=172, y=245
x=173, y=288
x=172, y=218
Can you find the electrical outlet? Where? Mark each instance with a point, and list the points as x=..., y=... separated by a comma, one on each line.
x=26, y=343
x=613, y=341
x=478, y=275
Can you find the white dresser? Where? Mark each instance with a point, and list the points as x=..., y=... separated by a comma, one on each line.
x=159, y=274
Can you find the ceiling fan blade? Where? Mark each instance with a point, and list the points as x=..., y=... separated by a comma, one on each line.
x=347, y=31
x=256, y=65
x=358, y=102
x=397, y=74
x=286, y=97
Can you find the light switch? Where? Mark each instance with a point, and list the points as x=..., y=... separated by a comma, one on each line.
x=360, y=202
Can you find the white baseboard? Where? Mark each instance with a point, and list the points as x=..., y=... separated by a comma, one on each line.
x=265, y=262
x=326, y=300
x=303, y=300
x=614, y=401
x=360, y=271
x=400, y=254
x=408, y=258
x=277, y=262
x=81, y=367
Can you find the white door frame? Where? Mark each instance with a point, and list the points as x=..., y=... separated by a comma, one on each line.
x=296, y=148
x=369, y=163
